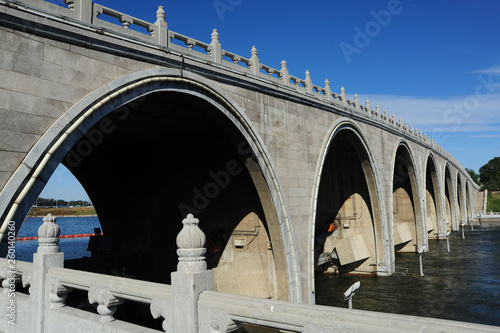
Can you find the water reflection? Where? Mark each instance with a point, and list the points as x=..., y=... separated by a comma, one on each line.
x=462, y=285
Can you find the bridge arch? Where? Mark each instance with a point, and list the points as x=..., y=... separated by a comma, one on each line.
x=462, y=198
x=468, y=200
x=449, y=200
x=346, y=192
x=406, y=212
x=433, y=198
x=80, y=131
x=461, y=202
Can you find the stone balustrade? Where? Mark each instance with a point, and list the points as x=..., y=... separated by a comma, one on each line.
x=189, y=305
x=126, y=20
x=158, y=34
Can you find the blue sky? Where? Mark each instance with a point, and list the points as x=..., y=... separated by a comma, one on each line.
x=434, y=63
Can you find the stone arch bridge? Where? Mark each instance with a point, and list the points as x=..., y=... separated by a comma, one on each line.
x=282, y=173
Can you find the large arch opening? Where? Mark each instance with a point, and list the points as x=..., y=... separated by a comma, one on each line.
x=347, y=210
x=431, y=199
x=468, y=207
x=150, y=148
x=407, y=226
x=151, y=162
x=449, y=201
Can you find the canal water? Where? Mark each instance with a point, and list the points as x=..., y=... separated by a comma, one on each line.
x=461, y=285
x=73, y=248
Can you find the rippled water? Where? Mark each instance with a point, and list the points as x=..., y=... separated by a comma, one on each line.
x=72, y=247
x=461, y=285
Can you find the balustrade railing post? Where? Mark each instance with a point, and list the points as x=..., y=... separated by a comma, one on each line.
x=328, y=90
x=191, y=278
x=284, y=76
x=216, y=48
x=160, y=32
x=255, y=61
x=343, y=96
x=309, y=84
x=356, y=102
x=46, y=257
x=82, y=8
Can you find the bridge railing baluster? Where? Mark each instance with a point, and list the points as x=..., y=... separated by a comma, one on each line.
x=87, y=11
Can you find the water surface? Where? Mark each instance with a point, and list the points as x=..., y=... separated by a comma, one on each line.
x=461, y=285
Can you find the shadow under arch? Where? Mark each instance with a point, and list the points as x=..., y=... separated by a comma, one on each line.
x=84, y=125
x=433, y=199
x=469, y=208
x=449, y=200
x=407, y=219
x=461, y=206
x=346, y=193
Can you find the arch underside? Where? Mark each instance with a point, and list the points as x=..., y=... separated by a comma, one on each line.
x=347, y=210
x=407, y=227
x=433, y=207
x=449, y=202
x=162, y=151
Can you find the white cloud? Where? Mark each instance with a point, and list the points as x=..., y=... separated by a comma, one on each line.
x=478, y=112
x=485, y=136
x=472, y=113
x=489, y=70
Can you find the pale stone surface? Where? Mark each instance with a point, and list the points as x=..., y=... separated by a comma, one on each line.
x=44, y=80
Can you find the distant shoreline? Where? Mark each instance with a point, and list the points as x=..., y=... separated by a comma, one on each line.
x=62, y=211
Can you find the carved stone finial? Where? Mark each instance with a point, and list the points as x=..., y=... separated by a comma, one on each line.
x=191, y=235
x=254, y=51
x=308, y=74
x=283, y=64
x=191, y=244
x=215, y=35
x=48, y=235
x=368, y=105
x=160, y=14
x=327, y=83
x=343, y=96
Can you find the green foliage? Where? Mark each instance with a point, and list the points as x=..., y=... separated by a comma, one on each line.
x=493, y=201
x=474, y=175
x=43, y=202
x=489, y=174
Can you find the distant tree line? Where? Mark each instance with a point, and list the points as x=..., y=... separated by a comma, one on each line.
x=489, y=175
x=43, y=202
